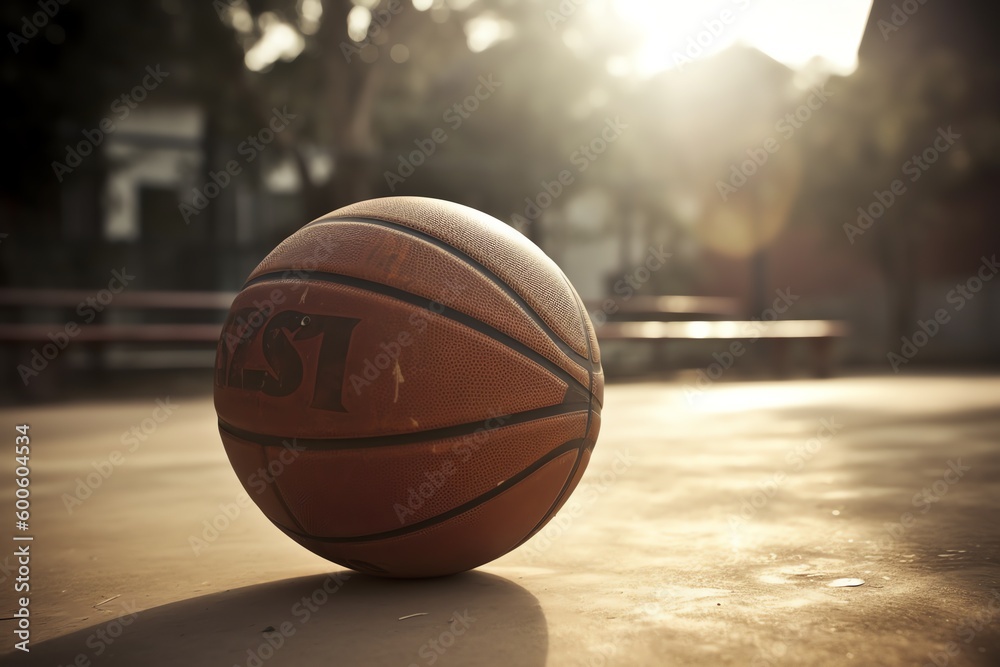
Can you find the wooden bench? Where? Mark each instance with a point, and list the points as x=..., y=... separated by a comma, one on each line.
x=59, y=298
x=100, y=332
x=639, y=319
x=59, y=306
x=659, y=319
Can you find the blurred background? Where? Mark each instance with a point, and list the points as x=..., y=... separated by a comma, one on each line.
x=695, y=168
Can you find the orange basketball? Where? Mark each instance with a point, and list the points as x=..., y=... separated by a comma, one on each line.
x=408, y=387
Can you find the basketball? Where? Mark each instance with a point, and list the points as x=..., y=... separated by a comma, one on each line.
x=408, y=387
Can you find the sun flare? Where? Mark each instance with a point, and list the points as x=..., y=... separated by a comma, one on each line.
x=673, y=33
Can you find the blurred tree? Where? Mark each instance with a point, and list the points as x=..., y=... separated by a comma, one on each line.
x=913, y=84
x=369, y=78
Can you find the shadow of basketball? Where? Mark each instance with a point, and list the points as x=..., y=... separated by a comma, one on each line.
x=338, y=619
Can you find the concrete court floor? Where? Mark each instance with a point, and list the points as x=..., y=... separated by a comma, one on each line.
x=712, y=541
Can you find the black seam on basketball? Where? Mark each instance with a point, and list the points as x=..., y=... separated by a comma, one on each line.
x=562, y=492
x=590, y=350
x=507, y=484
x=364, y=566
x=277, y=491
x=478, y=266
x=414, y=437
x=428, y=305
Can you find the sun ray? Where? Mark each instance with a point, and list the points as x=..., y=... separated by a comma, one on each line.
x=672, y=33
